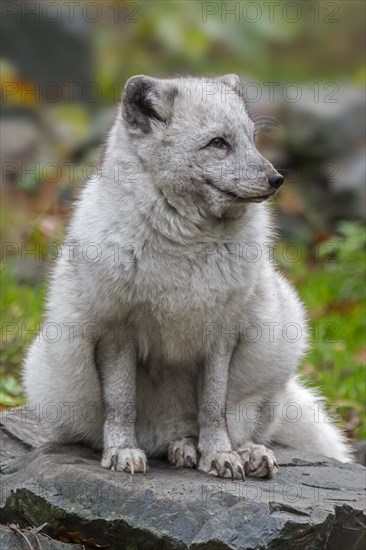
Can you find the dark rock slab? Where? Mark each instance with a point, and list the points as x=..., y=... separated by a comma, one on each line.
x=314, y=503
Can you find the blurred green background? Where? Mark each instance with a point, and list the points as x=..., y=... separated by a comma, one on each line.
x=63, y=68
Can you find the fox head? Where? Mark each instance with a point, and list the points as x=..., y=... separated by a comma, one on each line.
x=196, y=139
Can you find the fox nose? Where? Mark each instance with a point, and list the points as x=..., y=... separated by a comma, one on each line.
x=276, y=181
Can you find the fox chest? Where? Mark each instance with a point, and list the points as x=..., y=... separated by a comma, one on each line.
x=181, y=312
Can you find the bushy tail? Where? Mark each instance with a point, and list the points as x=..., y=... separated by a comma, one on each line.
x=312, y=424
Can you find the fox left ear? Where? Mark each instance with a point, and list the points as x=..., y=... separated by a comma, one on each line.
x=146, y=99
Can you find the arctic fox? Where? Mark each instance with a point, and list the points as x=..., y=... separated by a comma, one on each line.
x=168, y=330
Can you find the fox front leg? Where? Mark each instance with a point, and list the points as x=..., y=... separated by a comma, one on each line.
x=117, y=358
x=216, y=454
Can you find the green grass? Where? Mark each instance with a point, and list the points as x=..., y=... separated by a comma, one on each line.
x=22, y=307
x=330, y=279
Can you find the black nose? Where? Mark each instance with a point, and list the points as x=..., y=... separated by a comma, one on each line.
x=276, y=181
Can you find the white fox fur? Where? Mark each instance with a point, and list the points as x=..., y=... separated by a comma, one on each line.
x=168, y=329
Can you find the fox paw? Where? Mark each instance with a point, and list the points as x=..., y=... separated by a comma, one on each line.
x=183, y=452
x=124, y=460
x=222, y=464
x=258, y=460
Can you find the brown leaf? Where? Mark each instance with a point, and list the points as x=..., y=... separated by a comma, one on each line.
x=361, y=355
x=67, y=536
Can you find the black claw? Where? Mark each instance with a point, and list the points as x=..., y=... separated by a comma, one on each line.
x=215, y=465
x=241, y=472
x=229, y=466
x=114, y=461
x=189, y=461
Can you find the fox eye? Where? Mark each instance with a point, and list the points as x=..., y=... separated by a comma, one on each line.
x=218, y=143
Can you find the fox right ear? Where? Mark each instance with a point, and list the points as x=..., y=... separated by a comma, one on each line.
x=146, y=99
x=234, y=82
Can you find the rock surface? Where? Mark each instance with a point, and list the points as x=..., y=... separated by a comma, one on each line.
x=314, y=502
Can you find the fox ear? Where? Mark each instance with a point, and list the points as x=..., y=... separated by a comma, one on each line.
x=234, y=82
x=231, y=80
x=146, y=99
